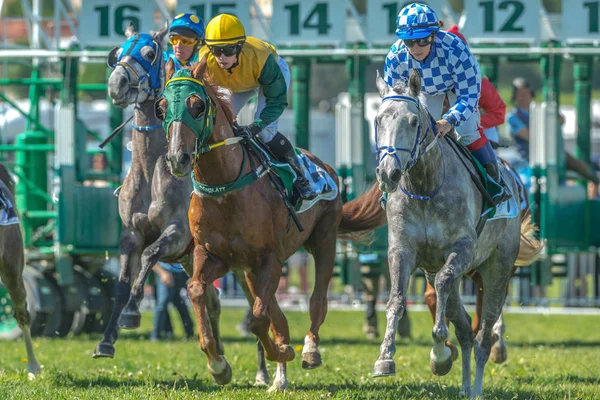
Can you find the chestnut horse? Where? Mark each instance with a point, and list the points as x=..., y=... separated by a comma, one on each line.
x=247, y=228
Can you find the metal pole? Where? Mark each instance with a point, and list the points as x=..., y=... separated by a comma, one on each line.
x=301, y=101
x=360, y=143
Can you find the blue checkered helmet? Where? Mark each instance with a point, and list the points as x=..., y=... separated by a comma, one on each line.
x=416, y=21
x=189, y=25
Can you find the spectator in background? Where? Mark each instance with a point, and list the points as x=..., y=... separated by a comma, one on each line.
x=99, y=165
x=171, y=280
x=518, y=123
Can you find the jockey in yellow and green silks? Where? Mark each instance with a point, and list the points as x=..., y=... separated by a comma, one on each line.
x=186, y=35
x=247, y=66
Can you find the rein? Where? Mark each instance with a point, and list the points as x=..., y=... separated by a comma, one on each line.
x=415, y=152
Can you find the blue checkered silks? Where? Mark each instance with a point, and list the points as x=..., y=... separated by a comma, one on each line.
x=449, y=69
x=416, y=21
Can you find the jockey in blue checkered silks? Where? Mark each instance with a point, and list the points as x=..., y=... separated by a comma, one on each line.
x=447, y=68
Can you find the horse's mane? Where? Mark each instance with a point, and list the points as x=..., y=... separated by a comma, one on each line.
x=212, y=89
x=7, y=178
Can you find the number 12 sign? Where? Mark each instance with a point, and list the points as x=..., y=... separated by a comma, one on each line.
x=308, y=21
x=508, y=21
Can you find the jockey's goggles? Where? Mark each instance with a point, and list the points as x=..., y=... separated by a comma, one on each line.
x=422, y=42
x=186, y=41
x=227, y=50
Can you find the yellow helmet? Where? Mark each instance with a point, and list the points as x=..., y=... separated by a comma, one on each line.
x=224, y=29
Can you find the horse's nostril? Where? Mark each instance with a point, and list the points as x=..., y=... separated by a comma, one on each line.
x=395, y=176
x=183, y=159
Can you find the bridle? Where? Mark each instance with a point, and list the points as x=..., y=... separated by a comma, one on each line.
x=415, y=153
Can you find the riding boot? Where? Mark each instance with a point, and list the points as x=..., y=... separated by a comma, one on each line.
x=302, y=184
x=283, y=150
x=494, y=173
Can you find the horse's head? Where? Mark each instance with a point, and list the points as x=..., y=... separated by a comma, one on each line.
x=400, y=128
x=139, y=73
x=188, y=114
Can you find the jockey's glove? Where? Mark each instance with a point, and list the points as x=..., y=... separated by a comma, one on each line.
x=247, y=130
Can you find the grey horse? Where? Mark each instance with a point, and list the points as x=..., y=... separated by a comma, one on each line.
x=153, y=204
x=12, y=262
x=432, y=224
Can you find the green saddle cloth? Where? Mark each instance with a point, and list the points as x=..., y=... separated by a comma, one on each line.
x=494, y=189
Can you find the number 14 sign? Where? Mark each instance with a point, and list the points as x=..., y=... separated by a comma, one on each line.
x=308, y=22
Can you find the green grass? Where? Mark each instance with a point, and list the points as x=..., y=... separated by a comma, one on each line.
x=550, y=357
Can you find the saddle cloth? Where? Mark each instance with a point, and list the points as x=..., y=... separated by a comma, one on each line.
x=321, y=182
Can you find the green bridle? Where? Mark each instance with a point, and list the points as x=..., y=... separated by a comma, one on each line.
x=177, y=90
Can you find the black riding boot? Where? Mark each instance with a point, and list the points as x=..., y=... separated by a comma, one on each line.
x=282, y=148
x=494, y=173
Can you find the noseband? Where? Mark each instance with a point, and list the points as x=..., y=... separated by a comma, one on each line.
x=415, y=153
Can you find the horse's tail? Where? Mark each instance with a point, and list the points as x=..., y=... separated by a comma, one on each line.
x=530, y=247
x=362, y=214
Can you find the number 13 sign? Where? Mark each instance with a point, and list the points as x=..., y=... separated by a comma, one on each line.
x=509, y=21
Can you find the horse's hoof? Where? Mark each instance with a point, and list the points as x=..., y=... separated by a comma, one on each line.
x=384, y=368
x=130, y=320
x=278, y=387
x=104, y=350
x=499, y=353
x=440, y=368
x=311, y=360
x=224, y=377
x=262, y=378
x=288, y=352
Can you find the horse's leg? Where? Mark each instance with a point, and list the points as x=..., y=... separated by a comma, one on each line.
x=499, y=352
x=262, y=375
x=457, y=262
x=476, y=277
x=169, y=242
x=13, y=280
x=131, y=243
x=263, y=286
x=495, y=273
x=462, y=322
x=206, y=270
x=322, y=245
x=400, y=264
x=281, y=335
x=431, y=301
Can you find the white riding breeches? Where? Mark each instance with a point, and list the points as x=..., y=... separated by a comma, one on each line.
x=238, y=100
x=467, y=132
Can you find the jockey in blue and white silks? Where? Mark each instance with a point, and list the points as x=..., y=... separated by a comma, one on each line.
x=186, y=35
x=447, y=68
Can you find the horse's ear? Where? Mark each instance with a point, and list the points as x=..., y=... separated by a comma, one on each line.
x=199, y=69
x=130, y=31
x=414, y=84
x=160, y=35
x=382, y=87
x=169, y=69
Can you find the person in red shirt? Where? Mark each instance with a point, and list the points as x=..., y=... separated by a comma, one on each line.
x=491, y=106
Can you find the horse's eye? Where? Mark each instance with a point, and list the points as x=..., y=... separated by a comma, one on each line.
x=160, y=109
x=413, y=121
x=148, y=53
x=196, y=106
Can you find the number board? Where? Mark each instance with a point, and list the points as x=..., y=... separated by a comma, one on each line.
x=382, y=15
x=581, y=21
x=507, y=21
x=209, y=9
x=103, y=22
x=308, y=22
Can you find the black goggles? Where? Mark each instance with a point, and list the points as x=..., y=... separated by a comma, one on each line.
x=226, y=50
x=422, y=42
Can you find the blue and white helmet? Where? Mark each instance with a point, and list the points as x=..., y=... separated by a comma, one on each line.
x=189, y=25
x=416, y=21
